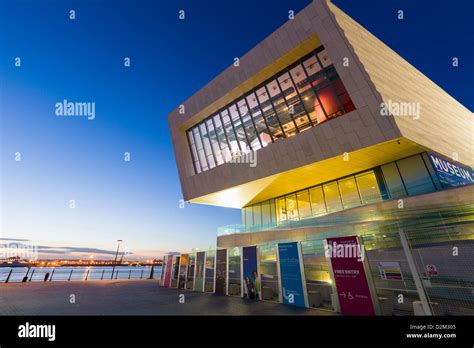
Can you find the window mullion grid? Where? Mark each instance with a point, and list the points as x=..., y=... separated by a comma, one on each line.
x=314, y=91
x=210, y=142
x=235, y=132
x=263, y=115
x=274, y=110
x=286, y=103
x=299, y=96
x=253, y=121
x=194, y=160
x=243, y=125
x=203, y=146
x=330, y=82
x=225, y=133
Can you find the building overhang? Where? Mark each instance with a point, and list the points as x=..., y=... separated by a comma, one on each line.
x=309, y=175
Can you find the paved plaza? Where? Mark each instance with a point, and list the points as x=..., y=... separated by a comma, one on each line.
x=128, y=297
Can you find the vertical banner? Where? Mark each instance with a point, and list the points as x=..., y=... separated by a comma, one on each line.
x=347, y=258
x=174, y=279
x=199, y=271
x=290, y=273
x=221, y=271
x=183, y=264
x=168, y=268
x=250, y=272
x=190, y=275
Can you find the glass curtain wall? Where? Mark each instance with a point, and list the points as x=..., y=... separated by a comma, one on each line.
x=409, y=176
x=235, y=272
x=301, y=96
x=190, y=275
x=269, y=272
x=318, y=280
x=210, y=264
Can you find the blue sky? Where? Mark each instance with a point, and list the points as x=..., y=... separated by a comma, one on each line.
x=65, y=159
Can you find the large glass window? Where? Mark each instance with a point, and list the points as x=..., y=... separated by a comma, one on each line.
x=234, y=260
x=210, y=264
x=248, y=216
x=304, y=204
x=415, y=176
x=229, y=129
x=318, y=205
x=393, y=180
x=197, y=165
x=249, y=125
x=221, y=136
x=260, y=122
x=214, y=141
x=291, y=207
x=300, y=96
x=200, y=149
x=333, y=198
x=239, y=129
x=207, y=145
x=257, y=214
x=266, y=213
x=296, y=107
x=281, y=209
x=349, y=193
x=368, y=188
x=281, y=108
x=269, y=113
x=318, y=279
x=268, y=272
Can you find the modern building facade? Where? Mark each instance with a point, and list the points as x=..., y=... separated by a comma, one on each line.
x=321, y=132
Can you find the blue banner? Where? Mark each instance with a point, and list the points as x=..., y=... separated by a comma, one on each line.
x=449, y=173
x=290, y=272
x=251, y=278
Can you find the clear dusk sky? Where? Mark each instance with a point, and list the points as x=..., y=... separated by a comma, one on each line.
x=81, y=60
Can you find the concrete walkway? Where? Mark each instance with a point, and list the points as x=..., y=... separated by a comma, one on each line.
x=128, y=297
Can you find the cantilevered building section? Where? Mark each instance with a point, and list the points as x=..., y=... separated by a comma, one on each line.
x=324, y=131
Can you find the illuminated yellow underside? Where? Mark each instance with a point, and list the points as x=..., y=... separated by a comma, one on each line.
x=309, y=175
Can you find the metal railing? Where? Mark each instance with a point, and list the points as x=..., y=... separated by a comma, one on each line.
x=21, y=274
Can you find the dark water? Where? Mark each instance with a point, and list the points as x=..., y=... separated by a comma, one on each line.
x=78, y=273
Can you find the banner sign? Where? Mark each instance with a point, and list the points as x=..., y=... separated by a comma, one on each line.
x=250, y=274
x=183, y=264
x=174, y=278
x=221, y=271
x=168, y=268
x=290, y=273
x=349, y=274
x=190, y=275
x=449, y=173
x=390, y=270
x=199, y=271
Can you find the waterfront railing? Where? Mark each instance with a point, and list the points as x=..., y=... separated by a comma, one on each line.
x=23, y=274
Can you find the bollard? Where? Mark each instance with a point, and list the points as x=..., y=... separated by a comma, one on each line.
x=31, y=277
x=129, y=273
x=51, y=278
x=70, y=274
x=9, y=274
x=102, y=277
x=46, y=276
x=87, y=275
x=141, y=275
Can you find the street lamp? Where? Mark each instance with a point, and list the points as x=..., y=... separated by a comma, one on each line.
x=115, y=261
